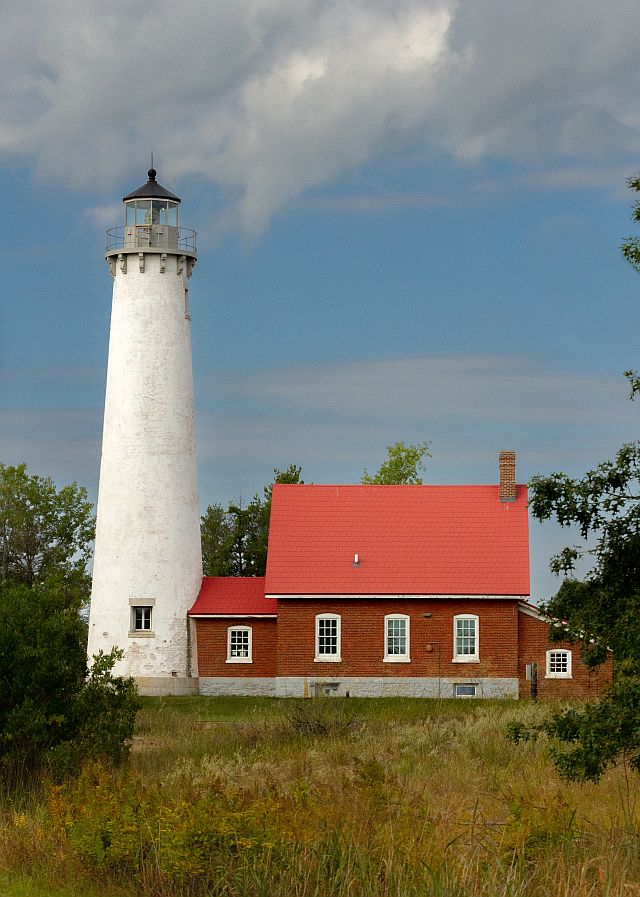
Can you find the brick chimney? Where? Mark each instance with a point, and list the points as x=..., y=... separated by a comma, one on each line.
x=507, y=461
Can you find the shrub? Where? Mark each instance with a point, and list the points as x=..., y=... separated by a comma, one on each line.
x=51, y=713
x=321, y=716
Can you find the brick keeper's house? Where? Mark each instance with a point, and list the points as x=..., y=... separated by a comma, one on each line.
x=387, y=590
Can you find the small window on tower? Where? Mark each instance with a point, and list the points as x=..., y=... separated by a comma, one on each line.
x=141, y=620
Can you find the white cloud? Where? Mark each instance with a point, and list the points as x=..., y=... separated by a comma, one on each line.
x=268, y=98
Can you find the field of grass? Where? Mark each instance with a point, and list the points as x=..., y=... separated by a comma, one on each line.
x=227, y=797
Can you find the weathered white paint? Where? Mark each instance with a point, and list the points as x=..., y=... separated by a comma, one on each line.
x=147, y=547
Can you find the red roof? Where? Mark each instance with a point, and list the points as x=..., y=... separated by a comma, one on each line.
x=233, y=596
x=424, y=540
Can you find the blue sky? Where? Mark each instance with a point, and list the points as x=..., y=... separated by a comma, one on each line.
x=409, y=217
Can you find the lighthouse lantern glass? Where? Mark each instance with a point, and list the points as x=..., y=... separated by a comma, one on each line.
x=151, y=211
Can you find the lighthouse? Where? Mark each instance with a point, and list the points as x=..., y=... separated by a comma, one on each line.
x=148, y=562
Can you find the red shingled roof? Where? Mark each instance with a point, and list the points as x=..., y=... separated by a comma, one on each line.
x=434, y=540
x=233, y=596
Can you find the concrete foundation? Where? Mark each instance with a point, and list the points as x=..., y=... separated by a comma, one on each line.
x=238, y=685
x=357, y=687
x=379, y=687
x=157, y=686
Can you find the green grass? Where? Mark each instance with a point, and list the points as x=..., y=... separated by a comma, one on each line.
x=16, y=885
x=244, y=797
x=241, y=709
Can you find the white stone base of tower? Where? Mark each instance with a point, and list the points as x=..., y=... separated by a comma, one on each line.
x=147, y=551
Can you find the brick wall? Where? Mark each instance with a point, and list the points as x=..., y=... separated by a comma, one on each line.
x=507, y=464
x=212, y=648
x=431, y=639
x=509, y=639
x=534, y=645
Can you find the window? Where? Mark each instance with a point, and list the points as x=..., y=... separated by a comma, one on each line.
x=464, y=690
x=466, y=647
x=239, y=644
x=141, y=620
x=327, y=637
x=396, y=638
x=558, y=664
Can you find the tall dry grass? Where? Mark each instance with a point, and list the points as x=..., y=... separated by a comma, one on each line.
x=425, y=799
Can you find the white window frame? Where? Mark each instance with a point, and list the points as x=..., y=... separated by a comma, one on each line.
x=146, y=631
x=328, y=658
x=466, y=658
x=249, y=658
x=463, y=697
x=397, y=658
x=558, y=675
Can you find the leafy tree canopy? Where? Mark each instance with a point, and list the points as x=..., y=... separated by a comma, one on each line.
x=52, y=711
x=603, y=504
x=235, y=540
x=44, y=531
x=401, y=467
x=631, y=246
x=602, y=611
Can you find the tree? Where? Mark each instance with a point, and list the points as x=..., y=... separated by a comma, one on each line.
x=235, y=541
x=401, y=467
x=44, y=531
x=215, y=533
x=601, y=612
x=631, y=246
x=52, y=710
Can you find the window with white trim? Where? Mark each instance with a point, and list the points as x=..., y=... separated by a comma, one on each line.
x=465, y=690
x=328, y=637
x=396, y=638
x=558, y=664
x=466, y=638
x=141, y=619
x=239, y=644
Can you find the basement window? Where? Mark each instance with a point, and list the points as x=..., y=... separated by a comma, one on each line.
x=465, y=690
x=558, y=664
x=239, y=644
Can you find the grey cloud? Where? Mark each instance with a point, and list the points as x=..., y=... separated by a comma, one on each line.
x=492, y=389
x=268, y=98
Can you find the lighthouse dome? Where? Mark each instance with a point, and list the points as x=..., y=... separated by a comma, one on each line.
x=151, y=190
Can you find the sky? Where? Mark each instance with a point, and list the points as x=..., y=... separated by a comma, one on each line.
x=409, y=217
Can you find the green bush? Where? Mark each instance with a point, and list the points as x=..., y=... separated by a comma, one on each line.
x=51, y=712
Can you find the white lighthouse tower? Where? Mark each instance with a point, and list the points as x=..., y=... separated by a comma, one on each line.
x=148, y=562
